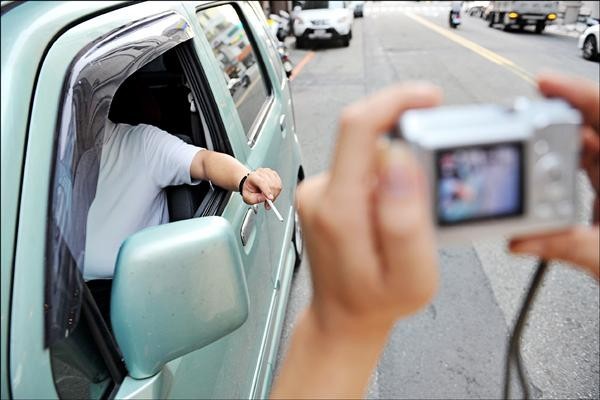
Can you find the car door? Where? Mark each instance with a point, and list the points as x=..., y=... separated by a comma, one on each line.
x=264, y=111
x=230, y=367
x=94, y=55
x=282, y=153
x=47, y=283
x=236, y=76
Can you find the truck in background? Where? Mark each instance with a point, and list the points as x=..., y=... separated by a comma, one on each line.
x=519, y=14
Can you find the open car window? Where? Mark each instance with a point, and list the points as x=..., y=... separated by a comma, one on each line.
x=93, y=78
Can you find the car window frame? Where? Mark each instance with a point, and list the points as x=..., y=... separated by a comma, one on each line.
x=254, y=133
x=173, y=29
x=216, y=199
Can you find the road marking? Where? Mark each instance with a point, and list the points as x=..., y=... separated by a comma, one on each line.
x=305, y=60
x=482, y=51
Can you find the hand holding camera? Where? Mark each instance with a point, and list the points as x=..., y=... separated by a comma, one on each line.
x=371, y=246
x=579, y=244
x=369, y=220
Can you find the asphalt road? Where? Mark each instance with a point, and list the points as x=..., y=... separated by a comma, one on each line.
x=455, y=348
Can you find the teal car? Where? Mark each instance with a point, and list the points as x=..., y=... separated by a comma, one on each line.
x=196, y=306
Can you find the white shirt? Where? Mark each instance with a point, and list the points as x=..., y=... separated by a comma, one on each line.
x=136, y=164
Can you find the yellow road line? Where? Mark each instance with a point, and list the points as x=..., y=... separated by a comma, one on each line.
x=482, y=51
x=305, y=60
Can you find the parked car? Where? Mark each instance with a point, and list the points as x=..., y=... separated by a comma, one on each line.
x=589, y=42
x=323, y=21
x=196, y=305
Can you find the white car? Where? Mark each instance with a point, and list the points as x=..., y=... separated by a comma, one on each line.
x=589, y=42
x=323, y=20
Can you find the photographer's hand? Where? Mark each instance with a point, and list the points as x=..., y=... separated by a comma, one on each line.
x=580, y=244
x=371, y=246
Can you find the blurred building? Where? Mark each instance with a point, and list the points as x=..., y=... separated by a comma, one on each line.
x=578, y=11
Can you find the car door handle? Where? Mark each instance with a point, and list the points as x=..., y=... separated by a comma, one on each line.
x=282, y=123
x=249, y=225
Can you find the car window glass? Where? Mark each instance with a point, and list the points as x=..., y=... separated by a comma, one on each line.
x=78, y=370
x=234, y=50
x=271, y=42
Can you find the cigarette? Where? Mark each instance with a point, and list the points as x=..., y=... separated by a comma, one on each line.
x=279, y=217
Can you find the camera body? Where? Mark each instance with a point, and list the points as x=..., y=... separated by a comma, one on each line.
x=496, y=170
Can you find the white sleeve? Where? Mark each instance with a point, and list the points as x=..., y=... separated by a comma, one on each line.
x=168, y=158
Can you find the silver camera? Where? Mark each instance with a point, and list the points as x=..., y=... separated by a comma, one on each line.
x=494, y=170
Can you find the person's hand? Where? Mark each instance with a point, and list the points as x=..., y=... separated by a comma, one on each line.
x=578, y=245
x=367, y=223
x=261, y=184
x=371, y=248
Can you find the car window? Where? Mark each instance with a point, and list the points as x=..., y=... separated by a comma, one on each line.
x=234, y=49
x=76, y=316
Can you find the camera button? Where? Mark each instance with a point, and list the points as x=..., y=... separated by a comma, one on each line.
x=541, y=147
x=550, y=169
x=555, y=173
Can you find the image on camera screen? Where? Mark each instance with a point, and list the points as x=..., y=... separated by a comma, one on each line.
x=477, y=183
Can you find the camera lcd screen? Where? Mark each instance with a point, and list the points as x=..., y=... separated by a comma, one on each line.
x=479, y=182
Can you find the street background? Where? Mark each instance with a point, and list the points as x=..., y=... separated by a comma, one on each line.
x=455, y=348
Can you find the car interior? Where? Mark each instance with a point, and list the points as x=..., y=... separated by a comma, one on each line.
x=158, y=94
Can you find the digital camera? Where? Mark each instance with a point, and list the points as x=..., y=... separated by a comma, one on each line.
x=496, y=170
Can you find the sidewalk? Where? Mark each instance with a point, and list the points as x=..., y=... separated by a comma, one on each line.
x=572, y=30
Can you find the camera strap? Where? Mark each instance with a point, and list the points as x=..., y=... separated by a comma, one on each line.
x=513, y=353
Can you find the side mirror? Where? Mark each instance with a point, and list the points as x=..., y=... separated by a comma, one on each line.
x=297, y=8
x=284, y=14
x=177, y=288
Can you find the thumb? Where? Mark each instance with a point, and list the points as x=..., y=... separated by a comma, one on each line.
x=404, y=229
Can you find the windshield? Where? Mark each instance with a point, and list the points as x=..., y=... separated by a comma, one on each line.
x=313, y=5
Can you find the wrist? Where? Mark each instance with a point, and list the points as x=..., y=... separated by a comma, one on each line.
x=344, y=326
x=242, y=182
x=323, y=362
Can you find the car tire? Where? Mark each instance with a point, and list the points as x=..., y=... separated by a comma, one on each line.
x=539, y=27
x=491, y=20
x=589, y=50
x=346, y=41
